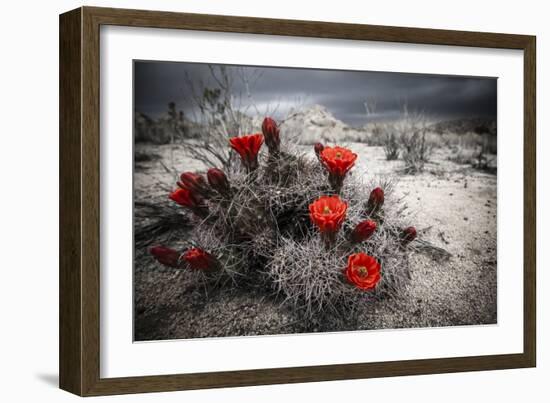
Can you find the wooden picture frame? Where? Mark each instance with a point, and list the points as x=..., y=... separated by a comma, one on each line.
x=79, y=201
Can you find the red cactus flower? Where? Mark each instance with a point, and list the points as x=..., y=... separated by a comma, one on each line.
x=363, y=271
x=408, y=235
x=199, y=259
x=186, y=198
x=376, y=200
x=271, y=135
x=194, y=183
x=248, y=148
x=328, y=213
x=218, y=180
x=363, y=231
x=338, y=161
x=318, y=147
x=166, y=256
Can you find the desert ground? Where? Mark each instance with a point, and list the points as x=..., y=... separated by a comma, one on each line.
x=455, y=209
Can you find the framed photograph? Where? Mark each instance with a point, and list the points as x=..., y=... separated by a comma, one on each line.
x=250, y=201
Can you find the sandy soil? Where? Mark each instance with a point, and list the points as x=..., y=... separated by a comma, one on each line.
x=455, y=204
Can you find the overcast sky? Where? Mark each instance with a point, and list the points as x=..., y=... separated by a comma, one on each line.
x=342, y=92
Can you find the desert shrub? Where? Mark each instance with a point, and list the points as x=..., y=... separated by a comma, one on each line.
x=320, y=239
x=409, y=137
x=471, y=141
x=483, y=159
x=416, y=150
x=376, y=134
x=476, y=149
x=462, y=157
x=163, y=130
x=391, y=146
x=451, y=141
x=490, y=143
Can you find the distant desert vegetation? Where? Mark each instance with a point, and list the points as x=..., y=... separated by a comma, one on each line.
x=412, y=137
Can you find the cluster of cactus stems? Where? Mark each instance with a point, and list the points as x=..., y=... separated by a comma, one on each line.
x=279, y=197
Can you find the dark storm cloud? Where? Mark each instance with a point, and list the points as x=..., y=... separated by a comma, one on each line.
x=342, y=92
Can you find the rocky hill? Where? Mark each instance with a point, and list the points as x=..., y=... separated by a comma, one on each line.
x=316, y=123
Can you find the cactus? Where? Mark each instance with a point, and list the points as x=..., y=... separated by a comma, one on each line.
x=305, y=230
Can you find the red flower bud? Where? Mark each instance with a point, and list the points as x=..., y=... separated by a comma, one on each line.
x=218, y=180
x=376, y=200
x=195, y=183
x=363, y=231
x=271, y=135
x=318, y=147
x=408, y=235
x=248, y=148
x=166, y=256
x=199, y=259
x=186, y=198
